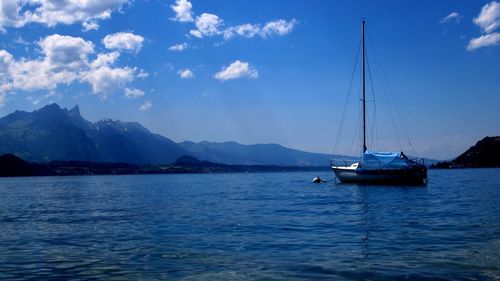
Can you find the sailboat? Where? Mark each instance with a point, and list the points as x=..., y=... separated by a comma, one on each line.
x=379, y=167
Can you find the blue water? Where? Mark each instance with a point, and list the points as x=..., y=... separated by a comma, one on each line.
x=270, y=226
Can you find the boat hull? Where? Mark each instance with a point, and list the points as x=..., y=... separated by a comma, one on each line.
x=412, y=176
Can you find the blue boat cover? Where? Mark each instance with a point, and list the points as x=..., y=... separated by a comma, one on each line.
x=383, y=160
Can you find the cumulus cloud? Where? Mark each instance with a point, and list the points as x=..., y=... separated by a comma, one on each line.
x=53, y=12
x=182, y=9
x=246, y=30
x=123, y=41
x=66, y=51
x=237, y=70
x=106, y=80
x=105, y=59
x=33, y=75
x=133, y=93
x=6, y=60
x=489, y=17
x=452, y=17
x=9, y=14
x=207, y=25
x=211, y=25
x=65, y=60
x=178, y=47
x=91, y=25
x=142, y=74
x=488, y=20
x=491, y=39
x=279, y=27
x=146, y=106
x=64, y=57
x=185, y=73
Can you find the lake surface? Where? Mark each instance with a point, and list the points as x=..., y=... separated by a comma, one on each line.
x=269, y=226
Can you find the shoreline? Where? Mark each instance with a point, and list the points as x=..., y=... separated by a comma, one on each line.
x=13, y=166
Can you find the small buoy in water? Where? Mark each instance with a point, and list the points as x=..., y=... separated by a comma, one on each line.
x=318, y=180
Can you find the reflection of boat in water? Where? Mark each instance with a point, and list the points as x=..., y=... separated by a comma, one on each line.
x=379, y=167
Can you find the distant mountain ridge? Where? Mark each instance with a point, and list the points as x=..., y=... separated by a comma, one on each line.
x=257, y=154
x=52, y=133
x=484, y=154
x=45, y=134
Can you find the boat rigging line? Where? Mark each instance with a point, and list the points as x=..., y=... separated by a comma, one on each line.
x=374, y=123
x=394, y=113
x=390, y=98
x=339, y=133
x=373, y=166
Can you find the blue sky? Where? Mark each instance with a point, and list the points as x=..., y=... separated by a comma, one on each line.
x=259, y=71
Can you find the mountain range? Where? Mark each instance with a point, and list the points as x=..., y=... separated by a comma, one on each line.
x=53, y=133
x=484, y=154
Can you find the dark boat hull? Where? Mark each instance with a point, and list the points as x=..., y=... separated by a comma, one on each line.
x=413, y=176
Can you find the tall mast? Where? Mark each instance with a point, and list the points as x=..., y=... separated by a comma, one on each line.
x=363, y=99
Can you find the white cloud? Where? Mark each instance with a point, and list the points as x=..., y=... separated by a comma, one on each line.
x=454, y=16
x=105, y=59
x=66, y=52
x=207, y=25
x=178, y=47
x=32, y=75
x=9, y=14
x=6, y=60
x=53, y=12
x=185, y=73
x=65, y=60
x=236, y=70
x=210, y=25
x=133, y=93
x=489, y=17
x=123, y=41
x=246, y=30
x=182, y=9
x=142, y=74
x=106, y=80
x=146, y=105
x=64, y=57
x=279, y=27
x=486, y=40
x=196, y=33
x=90, y=25
x=488, y=20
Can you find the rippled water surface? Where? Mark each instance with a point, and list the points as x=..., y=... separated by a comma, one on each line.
x=250, y=226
